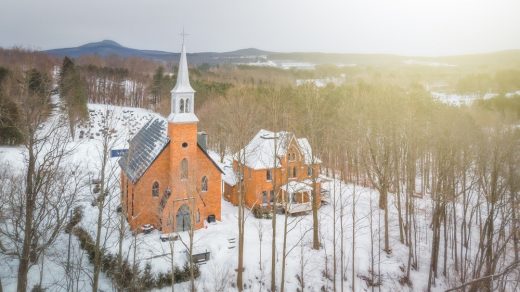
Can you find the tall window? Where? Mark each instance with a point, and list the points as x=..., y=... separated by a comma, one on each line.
x=309, y=170
x=289, y=174
x=181, y=108
x=184, y=169
x=204, y=184
x=268, y=175
x=294, y=173
x=155, y=189
x=271, y=199
x=197, y=216
x=187, y=106
x=264, y=197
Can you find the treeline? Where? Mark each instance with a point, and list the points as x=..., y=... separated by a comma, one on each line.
x=21, y=71
x=502, y=81
x=399, y=141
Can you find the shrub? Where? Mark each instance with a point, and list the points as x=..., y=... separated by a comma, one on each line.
x=77, y=215
x=262, y=212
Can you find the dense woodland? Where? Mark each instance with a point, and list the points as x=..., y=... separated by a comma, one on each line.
x=380, y=128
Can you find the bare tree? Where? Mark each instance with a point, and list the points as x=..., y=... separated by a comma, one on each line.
x=240, y=120
x=38, y=202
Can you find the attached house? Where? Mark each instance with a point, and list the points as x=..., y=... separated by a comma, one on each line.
x=276, y=167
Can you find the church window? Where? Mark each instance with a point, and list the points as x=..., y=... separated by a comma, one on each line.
x=197, y=216
x=187, y=106
x=155, y=189
x=181, y=110
x=204, y=183
x=184, y=169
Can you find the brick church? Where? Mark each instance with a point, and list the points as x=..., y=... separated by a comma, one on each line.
x=167, y=178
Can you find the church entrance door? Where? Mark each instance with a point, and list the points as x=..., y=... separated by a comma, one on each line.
x=183, y=218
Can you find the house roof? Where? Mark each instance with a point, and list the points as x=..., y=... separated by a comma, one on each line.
x=296, y=187
x=146, y=146
x=259, y=153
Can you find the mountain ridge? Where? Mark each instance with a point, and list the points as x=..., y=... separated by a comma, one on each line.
x=106, y=48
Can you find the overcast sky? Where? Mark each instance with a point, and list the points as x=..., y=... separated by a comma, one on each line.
x=407, y=27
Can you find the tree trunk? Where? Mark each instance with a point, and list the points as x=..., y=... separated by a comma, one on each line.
x=23, y=266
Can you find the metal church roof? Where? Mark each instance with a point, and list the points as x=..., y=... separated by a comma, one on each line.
x=144, y=148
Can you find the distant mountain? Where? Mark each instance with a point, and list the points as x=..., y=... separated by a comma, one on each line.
x=108, y=47
x=254, y=56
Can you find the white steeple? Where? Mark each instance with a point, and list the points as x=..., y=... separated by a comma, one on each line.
x=183, y=78
x=182, y=95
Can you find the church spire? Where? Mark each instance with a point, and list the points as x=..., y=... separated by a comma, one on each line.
x=182, y=95
x=183, y=78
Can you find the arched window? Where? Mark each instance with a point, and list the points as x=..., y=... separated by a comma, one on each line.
x=184, y=169
x=187, y=108
x=181, y=108
x=197, y=216
x=155, y=189
x=204, y=184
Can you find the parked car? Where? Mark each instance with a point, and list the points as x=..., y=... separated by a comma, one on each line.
x=147, y=228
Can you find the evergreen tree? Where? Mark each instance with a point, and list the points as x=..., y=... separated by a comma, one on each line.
x=74, y=94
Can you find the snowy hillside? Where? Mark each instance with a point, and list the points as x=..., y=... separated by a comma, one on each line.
x=314, y=266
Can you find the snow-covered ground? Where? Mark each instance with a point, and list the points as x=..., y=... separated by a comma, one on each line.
x=218, y=238
x=282, y=64
x=457, y=99
x=322, y=82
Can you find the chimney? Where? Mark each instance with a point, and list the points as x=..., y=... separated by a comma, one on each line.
x=202, y=140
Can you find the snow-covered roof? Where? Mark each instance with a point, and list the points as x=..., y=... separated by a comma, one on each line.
x=259, y=153
x=306, y=149
x=183, y=80
x=296, y=187
x=144, y=147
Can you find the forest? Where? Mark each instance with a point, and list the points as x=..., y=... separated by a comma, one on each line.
x=379, y=128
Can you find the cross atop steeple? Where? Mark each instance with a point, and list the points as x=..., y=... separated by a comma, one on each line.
x=183, y=34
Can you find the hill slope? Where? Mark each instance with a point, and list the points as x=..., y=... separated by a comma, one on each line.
x=510, y=58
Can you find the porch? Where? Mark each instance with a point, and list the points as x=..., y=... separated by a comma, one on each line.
x=296, y=197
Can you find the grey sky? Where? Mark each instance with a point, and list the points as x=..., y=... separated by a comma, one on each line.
x=408, y=27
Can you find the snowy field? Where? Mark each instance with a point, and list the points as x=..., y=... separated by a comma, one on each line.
x=218, y=238
x=456, y=99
